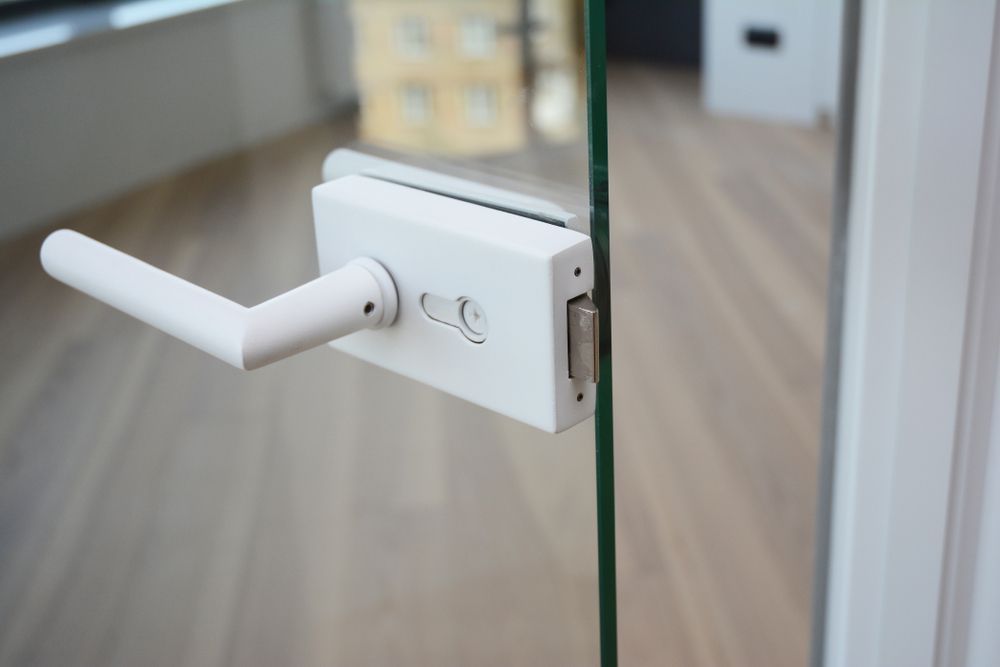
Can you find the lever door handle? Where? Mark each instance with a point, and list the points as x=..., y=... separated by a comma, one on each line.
x=483, y=302
x=359, y=295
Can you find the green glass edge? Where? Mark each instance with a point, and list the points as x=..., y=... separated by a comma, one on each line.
x=597, y=128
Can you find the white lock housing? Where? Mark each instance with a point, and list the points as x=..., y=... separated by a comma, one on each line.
x=517, y=273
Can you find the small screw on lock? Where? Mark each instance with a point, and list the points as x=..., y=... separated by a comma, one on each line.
x=369, y=307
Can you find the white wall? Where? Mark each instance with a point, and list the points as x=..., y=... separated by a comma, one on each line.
x=92, y=118
x=795, y=82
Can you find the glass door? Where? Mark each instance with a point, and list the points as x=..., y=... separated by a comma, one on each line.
x=159, y=507
x=515, y=568
x=501, y=560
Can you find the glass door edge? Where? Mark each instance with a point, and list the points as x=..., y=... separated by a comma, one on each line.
x=597, y=128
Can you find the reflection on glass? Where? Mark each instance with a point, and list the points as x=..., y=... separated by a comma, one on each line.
x=468, y=77
x=23, y=41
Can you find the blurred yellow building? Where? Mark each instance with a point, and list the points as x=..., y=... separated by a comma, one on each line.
x=449, y=76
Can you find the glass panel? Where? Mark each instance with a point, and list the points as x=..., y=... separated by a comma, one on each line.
x=480, y=83
x=724, y=122
x=495, y=92
x=157, y=507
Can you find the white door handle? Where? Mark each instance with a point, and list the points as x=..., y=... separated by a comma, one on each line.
x=360, y=295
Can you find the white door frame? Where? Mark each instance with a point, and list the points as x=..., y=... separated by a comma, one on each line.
x=921, y=329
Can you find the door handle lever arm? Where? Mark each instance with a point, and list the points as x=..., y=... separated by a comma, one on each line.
x=360, y=295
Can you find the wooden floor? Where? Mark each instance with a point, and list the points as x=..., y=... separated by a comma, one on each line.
x=160, y=508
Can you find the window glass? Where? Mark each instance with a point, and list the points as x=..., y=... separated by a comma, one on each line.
x=481, y=105
x=478, y=36
x=412, y=37
x=415, y=103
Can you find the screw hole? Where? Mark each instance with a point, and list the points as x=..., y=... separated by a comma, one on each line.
x=577, y=272
x=579, y=397
x=369, y=307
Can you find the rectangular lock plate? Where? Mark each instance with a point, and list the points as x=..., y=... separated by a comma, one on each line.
x=483, y=295
x=347, y=162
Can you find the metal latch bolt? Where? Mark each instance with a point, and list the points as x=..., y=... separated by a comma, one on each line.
x=584, y=343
